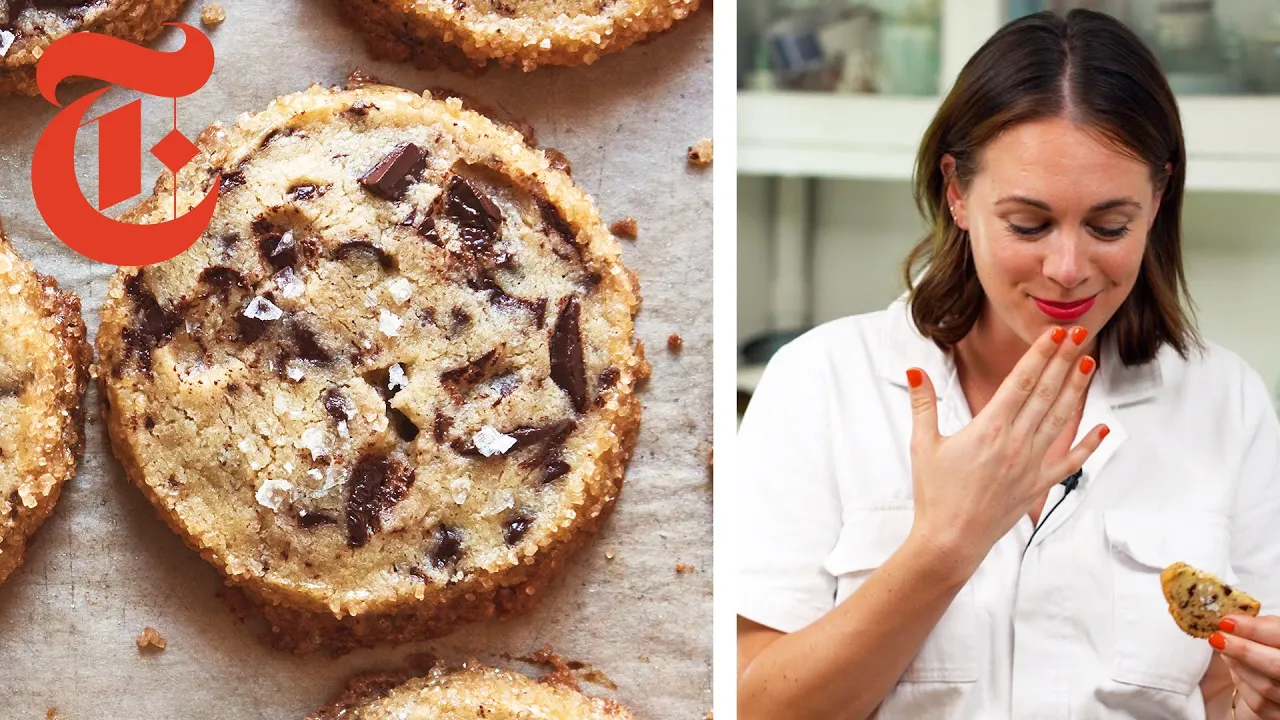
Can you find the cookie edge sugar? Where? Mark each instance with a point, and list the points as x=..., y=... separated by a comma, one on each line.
x=71, y=341
x=21, y=79
x=508, y=41
x=365, y=689
x=298, y=622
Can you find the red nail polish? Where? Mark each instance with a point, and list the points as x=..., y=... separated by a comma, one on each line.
x=1227, y=625
x=1079, y=335
x=1104, y=432
x=914, y=377
x=1218, y=641
x=1058, y=335
x=1087, y=364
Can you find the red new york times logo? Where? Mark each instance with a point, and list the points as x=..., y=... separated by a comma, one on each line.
x=71, y=217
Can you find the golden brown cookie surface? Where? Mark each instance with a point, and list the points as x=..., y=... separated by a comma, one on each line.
x=1198, y=600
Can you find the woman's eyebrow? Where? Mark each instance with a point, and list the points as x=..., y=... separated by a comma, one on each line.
x=1042, y=205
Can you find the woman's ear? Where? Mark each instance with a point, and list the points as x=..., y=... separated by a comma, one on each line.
x=952, y=194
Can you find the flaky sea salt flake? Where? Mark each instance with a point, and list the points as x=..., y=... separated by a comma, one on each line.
x=6, y=42
x=400, y=289
x=274, y=493
x=490, y=442
x=460, y=487
x=397, y=380
x=261, y=308
x=389, y=323
x=289, y=285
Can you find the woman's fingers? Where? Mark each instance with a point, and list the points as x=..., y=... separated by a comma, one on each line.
x=1021, y=383
x=1074, y=460
x=1054, y=422
x=1256, y=690
x=1261, y=660
x=1055, y=382
x=924, y=409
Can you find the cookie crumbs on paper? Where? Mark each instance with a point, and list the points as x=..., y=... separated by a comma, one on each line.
x=625, y=228
x=212, y=14
x=151, y=638
x=701, y=152
x=675, y=343
x=682, y=569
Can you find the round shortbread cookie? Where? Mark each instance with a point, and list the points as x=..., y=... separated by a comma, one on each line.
x=524, y=33
x=392, y=387
x=29, y=27
x=464, y=694
x=44, y=367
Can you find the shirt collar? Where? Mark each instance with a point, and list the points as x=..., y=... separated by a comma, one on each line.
x=1120, y=384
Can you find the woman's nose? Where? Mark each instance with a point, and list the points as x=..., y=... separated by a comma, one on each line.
x=1065, y=262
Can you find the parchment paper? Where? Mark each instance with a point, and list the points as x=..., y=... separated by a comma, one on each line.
x=104, y=566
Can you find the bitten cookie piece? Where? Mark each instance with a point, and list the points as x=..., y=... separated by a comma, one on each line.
x=392, y=387
x=525, y=33
x=466, y=694
x=1198, y=600
x=44, y=368
x=29, y=27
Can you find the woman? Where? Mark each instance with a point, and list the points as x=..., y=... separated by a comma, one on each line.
x=917, y=542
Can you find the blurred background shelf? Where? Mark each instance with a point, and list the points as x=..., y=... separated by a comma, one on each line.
x=1233, y=143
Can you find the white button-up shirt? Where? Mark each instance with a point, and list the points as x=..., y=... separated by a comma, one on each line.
x=1074, y=627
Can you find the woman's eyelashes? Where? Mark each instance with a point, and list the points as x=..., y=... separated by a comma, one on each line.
x=1101, y=232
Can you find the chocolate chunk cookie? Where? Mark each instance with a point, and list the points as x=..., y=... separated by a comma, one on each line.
x=28, y=27
x=1198, y=600
x=44, y=366
x=464, y=694
x=523, y=33
x=392, y=387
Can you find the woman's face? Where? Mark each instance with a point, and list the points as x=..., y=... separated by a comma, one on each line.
x=1058, y=221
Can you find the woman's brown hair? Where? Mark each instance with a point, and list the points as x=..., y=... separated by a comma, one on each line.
x=1092, y=69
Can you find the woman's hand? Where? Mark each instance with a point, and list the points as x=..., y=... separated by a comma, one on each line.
x=1251, y=648
x=972, y=487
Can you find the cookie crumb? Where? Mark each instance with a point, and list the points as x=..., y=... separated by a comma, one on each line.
x=710, y=715
x=675, y=343
x=52, y=714
x=625, y=228
x=701, y=152
x=212, y=13
x=608, y=554
x=358, y=78
x=151, y=638
x=682, y=569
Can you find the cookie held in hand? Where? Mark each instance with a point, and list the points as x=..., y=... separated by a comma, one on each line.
x=1198, y=600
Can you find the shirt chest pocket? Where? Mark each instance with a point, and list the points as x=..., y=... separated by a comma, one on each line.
x=866, y=541
x=1150, y=650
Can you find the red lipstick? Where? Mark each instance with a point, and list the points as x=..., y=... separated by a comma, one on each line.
x=1065, y=311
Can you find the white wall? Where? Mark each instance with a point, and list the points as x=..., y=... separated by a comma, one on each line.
x=863, y=230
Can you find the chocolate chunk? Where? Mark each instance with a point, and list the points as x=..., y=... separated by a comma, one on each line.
x=608, y=378
x=376, y=484
x=1245, y=607
x=460, y=318
x=279, y=250
x=418, y=573
x=513, y=529
x=477, y=217
x=365, y=249
x=554, y=433
x=261, y=225
x=230, y=181
x=309, y=348
x=558, y=160
x=448, y=547
x=150, y=423
x=540, y=312
x=428, y=230
x=222, y=280
x=153, y=326
x=567, y=366
x=1226, y=590
x=395, y=172
x=470, y=373
x=360, y=108
x=338, y=406
x=251, y=329
x=554, y=469
x=553, y=219
x=269, y=137
x=306, y=192
x=441, y=427
x=314, y=518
